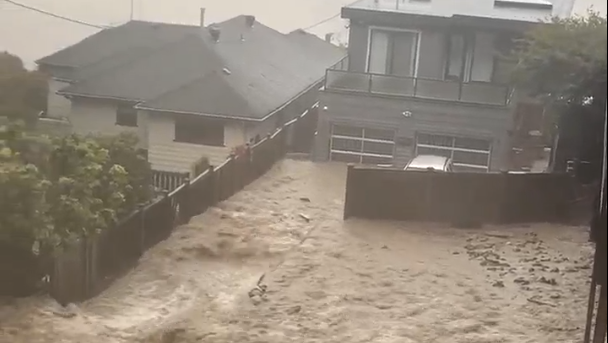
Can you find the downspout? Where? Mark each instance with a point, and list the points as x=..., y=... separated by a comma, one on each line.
x=604, y=160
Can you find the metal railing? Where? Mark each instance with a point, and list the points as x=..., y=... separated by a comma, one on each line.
x=396, y=5
x=339, y=78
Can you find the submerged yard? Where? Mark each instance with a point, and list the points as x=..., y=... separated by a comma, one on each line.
x=327, y=280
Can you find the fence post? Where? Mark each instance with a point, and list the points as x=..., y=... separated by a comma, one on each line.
x=503, y=200
x=428, y=201
x=142, y=229
x=248, y=167
x=184, y=203
x=84, y=271
x=349, y=192
x=91, y=276
x=211, y=189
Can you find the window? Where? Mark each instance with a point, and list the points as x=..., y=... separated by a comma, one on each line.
x=393, y=52
x=483, y=57
x=197, y=130
x=362, y=145
x=456, y=57
x=126, y=115
x=470, y=57
x=467, y=154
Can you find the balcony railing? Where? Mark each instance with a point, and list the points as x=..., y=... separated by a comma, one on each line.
x=339, y=78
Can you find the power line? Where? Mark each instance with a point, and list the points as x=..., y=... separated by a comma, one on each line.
x=321, y=22
x=57, y=16
x=327, y=19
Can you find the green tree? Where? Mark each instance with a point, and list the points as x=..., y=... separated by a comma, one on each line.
x=23, y=93
x=565, y=62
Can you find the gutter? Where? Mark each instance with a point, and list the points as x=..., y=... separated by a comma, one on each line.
x=61, y=80
x=101, y=97
x=223, y=116
x=41, y=62
x=604, y=160
x=211, y=115
x=349, y=12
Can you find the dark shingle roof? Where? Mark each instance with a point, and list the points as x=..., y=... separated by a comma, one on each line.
x=261, y=69
x=150, y=76
x=249, y=73
x=110, y=42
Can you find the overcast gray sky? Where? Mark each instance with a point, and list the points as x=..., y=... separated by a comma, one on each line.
x=32, y=35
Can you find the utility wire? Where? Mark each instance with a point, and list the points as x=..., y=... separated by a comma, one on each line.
x=321, y=22
x=57, y=16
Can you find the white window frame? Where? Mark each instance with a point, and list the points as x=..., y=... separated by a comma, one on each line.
x=453, y=148
x=362, y=139
x=394, y=29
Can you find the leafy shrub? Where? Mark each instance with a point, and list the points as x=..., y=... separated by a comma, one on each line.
x=56, y=190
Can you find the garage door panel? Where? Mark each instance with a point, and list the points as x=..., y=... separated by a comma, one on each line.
x=434, y=151
x=362, y=145
x=467, y=157
x=347, y=131
x=381, y=148
x=472, y=143
x=437, y=140
x=376, y=160
x=346, y=158
x=467, y=154
x=345, y=144
x=379, y=134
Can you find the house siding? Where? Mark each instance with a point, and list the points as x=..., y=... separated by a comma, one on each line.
x=461, y=120
x=57, y=105
x=161, y=129
x=262, y=129
x=99, y=117
x=357, y=47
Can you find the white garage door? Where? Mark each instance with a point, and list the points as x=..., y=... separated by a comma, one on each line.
x=467, y=154
x=362, y=145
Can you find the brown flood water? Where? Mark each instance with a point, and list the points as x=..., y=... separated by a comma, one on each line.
x=329, y=281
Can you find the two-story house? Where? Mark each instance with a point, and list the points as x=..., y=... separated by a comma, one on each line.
x=427, y=77
x=188, y=90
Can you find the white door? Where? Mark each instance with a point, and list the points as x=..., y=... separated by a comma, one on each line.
x=362, y=145
x=467, y=154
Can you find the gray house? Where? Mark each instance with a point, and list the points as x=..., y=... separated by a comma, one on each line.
x=188, y=91
x=426, y=77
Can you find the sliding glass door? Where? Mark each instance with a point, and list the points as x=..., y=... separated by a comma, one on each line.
x=393, y=52
x=470, y=57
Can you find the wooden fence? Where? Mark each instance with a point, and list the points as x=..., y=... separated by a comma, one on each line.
x=89, y=267
x=168, y=181
x=459, y=198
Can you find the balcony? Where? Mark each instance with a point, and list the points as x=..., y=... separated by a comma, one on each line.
x=338, y=78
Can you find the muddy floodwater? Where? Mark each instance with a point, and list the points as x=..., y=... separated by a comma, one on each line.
x=329, y=281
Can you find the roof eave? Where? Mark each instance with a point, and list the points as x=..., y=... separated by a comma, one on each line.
x=362, y=14
x=52, y=64
x=318, y=83
x=210, y=115
x=516, y=23
x=93, y=96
